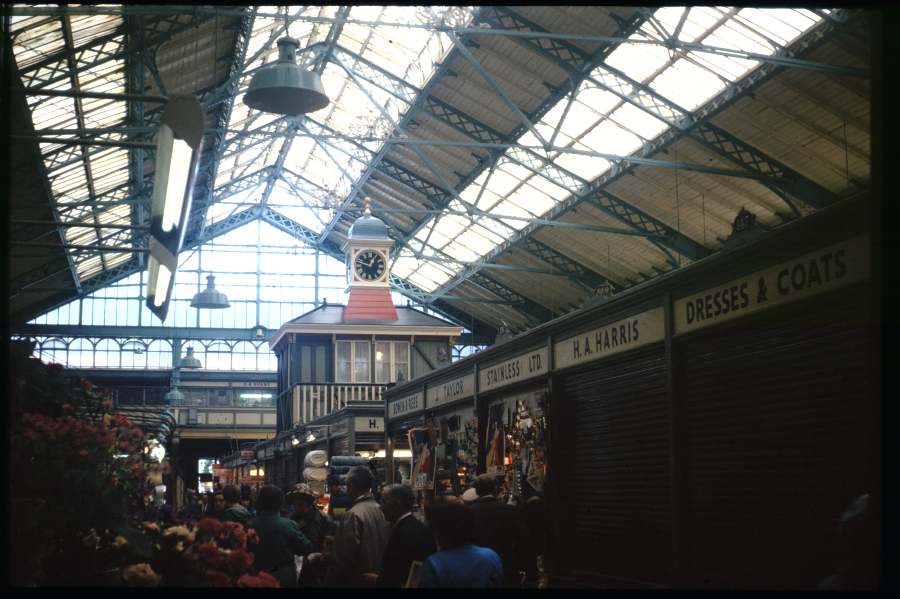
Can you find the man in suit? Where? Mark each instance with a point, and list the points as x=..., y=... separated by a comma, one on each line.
x=497, y=527
x=410, y=539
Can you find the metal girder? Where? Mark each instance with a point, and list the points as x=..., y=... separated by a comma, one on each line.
x=783, y=178
x=223, y=226
x=298, y=231
x=578, y=271
x=627, y=213
x=207, y=172
x=775, y=175
x=138, y=332
x=533, y=310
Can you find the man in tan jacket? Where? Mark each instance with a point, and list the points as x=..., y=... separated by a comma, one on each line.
x=361, y=536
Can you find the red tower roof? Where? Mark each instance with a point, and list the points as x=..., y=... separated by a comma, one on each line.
x=369, y=304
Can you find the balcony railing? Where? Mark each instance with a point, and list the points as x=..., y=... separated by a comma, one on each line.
x=310, y=401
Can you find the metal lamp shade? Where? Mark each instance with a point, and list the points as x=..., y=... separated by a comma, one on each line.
x=285, y=88
x=210, y=297
x=174, y=396
x=190, y=360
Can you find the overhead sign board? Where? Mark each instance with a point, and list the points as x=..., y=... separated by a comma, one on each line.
x=368, y=424
x=613, y=338
x=830, y=268
x=402, y=406
x=511, y=371
x=446, y=392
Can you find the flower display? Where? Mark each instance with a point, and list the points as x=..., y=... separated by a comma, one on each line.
x=82, y=484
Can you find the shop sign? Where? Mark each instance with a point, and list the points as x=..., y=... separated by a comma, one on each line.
x=405, y=405
x=813, y=273
x=369, y=424
x=248, y=453
x=512, y=371
x=449, y=391
x=616, y=337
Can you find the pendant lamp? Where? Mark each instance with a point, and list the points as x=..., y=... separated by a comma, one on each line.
x=283, y=87
x=210, y=297
x=190, y=360
x=174, y=396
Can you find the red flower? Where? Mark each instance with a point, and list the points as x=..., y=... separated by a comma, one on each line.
x=83, y=453
x=210, y=526
x=209, y=553
x=263, y=580
x=252, y=536
x=86, y=385
x=239, y=561
x=218, y=579
x=67, y=408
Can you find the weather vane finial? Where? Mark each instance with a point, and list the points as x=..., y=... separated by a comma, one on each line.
x=368, y=204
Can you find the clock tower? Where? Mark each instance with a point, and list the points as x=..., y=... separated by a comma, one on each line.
x=368, y=251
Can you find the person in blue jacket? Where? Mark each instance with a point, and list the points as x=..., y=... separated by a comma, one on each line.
x=458, y=563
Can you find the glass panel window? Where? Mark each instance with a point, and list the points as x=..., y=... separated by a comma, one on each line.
x=361, y=362
x=343, y=362
x=401, y=361
x=382, y=362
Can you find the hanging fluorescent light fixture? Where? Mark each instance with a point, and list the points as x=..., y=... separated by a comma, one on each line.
x=177, y=157
x=283, y=87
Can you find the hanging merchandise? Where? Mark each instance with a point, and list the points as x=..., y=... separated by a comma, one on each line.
x=495, y=440
x=455, y=451
x=517, y=452
x=422, y=445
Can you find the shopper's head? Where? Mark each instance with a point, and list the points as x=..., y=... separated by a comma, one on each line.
x=231, y=495
x=269, y=499
x=485, y=484
x=451, y=522
x=218, y=502
x=396, y=500
x=359, y=481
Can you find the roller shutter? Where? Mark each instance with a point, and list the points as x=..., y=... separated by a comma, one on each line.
x=778, y=423
x=617, y=484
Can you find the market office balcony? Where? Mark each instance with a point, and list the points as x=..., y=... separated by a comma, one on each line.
x=310, y=401
x=205, y=408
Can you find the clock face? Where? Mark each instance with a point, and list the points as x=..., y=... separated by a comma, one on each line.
x=369, y=265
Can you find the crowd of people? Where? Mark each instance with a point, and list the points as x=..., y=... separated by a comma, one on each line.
x=384, y=538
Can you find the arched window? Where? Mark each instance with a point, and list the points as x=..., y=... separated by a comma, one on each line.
x=218, y=356
x=159, y=354
x=265, y=359
x=54, y=350
x=134, y=354
x=81, y=353
x=243, y=356
x=107, y=354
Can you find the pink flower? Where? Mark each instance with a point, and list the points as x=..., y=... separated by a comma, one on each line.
x=209, y=526
x=209, y=553
x=263, y=580
x=239, y=561
x=83, y=453
x=67, y=408
x=217, y=579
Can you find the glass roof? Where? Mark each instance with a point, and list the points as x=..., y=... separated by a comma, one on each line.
x=599, y=121
x=318, y=177
x=85, y=181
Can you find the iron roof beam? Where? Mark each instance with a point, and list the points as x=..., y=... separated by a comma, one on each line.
x=785, y=182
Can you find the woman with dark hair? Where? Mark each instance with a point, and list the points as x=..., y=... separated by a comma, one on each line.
x=458, y=563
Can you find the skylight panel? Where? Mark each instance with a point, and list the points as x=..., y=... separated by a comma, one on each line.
x=687, y=84
x=475, y=242
x=508, y=208
x=734, y=35
x=452, y=225
x=114, y=259
x=587, y=167
x=89, y=267
x=731, y=69
x=502, y=182
x=403, y=266
x=638, y=61
x=495, y=228
x=699, y=21
x=545, y=185
x=460, y=252
x=609, y=138
x=639, y=121
x=536, y=201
